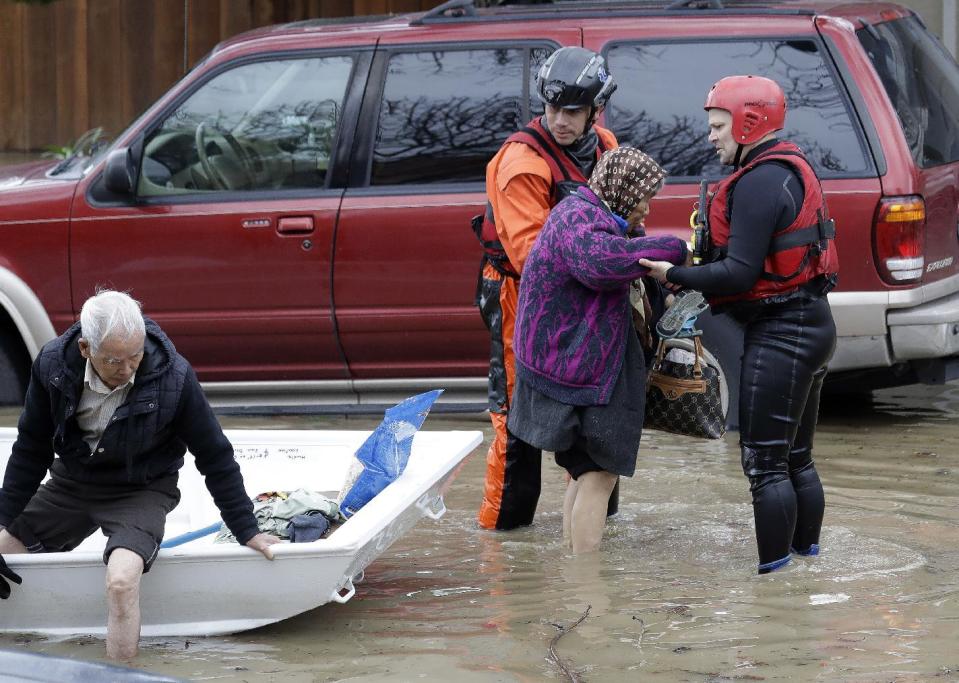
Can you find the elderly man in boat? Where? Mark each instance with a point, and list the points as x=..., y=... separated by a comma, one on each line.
x=117, y=404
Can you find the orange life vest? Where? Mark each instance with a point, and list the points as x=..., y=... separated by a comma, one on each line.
x=566, y=177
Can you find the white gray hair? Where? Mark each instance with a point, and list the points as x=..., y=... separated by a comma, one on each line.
x=110, y=313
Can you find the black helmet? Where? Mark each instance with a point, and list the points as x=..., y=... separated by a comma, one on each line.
x=574, y=77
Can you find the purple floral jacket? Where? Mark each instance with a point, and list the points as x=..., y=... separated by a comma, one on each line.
x=573, y=314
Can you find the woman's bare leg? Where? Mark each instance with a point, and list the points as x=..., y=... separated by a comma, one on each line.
x=571, y=487
x=588, y=518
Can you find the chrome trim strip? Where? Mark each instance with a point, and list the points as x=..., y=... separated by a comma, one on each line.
x=458, y=391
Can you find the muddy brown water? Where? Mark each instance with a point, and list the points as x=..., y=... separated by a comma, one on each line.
x=672, y=595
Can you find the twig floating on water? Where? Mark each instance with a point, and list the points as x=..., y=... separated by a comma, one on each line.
x=563, y=630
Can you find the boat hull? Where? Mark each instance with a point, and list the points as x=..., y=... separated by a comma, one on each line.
x=203, y=588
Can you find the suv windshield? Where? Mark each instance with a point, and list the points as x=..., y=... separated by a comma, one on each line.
x=922, y=81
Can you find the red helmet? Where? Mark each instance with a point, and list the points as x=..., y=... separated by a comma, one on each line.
x=757, y=104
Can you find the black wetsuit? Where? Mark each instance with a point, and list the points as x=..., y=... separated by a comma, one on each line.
x=787, y=341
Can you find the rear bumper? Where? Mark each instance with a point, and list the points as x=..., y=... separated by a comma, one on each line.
x=880, y=329
x=930, y=330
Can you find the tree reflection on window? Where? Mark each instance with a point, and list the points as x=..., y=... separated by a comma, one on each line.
x=667, y=121
x=445, y=113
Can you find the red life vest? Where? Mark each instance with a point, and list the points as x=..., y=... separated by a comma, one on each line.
x=799, y=252
x=566, y=177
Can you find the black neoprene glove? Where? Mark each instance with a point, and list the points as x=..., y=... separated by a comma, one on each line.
x=7, y=573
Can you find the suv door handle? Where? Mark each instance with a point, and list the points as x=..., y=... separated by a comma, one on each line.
x=295, y=225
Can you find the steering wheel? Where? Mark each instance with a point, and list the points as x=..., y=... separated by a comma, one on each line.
x=229, y=170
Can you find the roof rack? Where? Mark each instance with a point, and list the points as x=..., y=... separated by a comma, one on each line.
x=319, y=22
x=454, y=11
x=686, y=4
x=450, y=9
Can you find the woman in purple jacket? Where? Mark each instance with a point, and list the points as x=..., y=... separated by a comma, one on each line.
x=580, y=371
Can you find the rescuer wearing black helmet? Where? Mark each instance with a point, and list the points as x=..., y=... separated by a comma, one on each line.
x=536, y=167
x=574, y=77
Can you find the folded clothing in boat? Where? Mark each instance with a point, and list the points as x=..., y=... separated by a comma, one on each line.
x=275, y=510
x=308, y=527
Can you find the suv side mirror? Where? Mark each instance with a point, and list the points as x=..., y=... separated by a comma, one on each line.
x=122, y=170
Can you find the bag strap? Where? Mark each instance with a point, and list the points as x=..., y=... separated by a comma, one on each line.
x=700, y=357
x=660, y=354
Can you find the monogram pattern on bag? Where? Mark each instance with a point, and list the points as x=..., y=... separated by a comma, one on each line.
x=679, y=402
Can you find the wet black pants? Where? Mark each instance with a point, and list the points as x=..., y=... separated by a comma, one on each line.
x=786, y=348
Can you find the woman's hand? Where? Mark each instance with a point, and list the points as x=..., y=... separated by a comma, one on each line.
x=657, y=269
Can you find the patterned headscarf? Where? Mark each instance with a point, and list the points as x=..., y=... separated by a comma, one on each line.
x=625, y=176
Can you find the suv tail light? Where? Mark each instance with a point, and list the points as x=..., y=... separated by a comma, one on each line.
x=898, y=239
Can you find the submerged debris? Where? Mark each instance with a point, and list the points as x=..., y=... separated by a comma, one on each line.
x=563, y=630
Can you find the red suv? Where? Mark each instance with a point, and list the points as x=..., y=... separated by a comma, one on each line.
x=295, y=212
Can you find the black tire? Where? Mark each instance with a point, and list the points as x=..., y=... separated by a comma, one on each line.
x=724, y=340
x=14, y=369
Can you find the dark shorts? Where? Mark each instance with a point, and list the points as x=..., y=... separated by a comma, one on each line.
x=597, y=437
x=63, y=513
x=576, y=460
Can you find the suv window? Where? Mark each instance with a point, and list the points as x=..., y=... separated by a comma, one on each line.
x=258, y=126
x=922, y=81
x=650, y=112
x=445, y=112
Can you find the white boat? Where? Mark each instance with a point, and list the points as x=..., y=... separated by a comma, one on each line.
x=202, y=588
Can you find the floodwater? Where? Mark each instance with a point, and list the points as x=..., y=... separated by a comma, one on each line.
x=672, y=595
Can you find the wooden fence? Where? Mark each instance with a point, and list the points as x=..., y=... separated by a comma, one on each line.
x=71, y=65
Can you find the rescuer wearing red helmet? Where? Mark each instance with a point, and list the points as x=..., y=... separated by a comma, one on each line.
x=771, y=262
x=536, y=167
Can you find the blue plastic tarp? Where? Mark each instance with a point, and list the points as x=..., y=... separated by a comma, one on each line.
x=386, y=451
